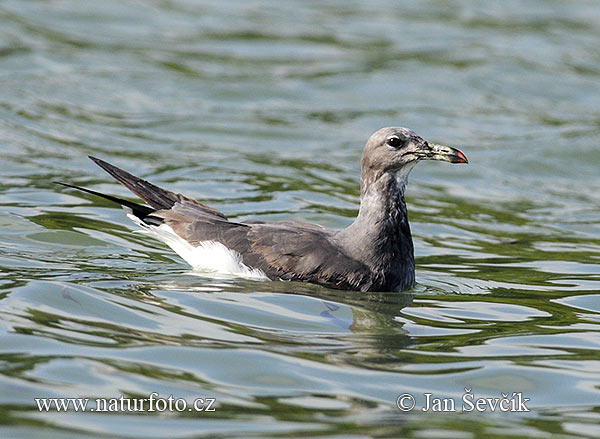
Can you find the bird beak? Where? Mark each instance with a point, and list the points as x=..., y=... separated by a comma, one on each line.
x=432, y=151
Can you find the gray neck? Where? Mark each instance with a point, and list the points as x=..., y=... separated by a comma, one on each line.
x=380, y=236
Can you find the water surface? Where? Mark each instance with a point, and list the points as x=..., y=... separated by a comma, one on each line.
x=261, y=110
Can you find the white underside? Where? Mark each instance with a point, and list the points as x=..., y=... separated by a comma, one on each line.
x=209, y=257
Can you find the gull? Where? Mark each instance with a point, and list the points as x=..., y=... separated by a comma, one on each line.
x=374, y=253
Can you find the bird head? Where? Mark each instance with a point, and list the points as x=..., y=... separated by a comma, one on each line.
x=396, y=150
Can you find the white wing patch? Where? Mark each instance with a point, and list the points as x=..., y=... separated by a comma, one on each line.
x=208, y=257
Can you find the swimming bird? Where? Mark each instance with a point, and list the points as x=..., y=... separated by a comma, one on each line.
x=374, y=253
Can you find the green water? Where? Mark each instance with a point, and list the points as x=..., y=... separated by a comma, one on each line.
x=261, y=109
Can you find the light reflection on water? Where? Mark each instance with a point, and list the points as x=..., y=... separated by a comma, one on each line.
x=262, y=110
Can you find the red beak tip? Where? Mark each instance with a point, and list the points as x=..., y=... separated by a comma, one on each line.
x=462, y=157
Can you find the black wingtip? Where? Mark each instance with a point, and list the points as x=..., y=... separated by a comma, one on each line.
x=139, y=210
x=111, y=169
x=67, y=185
x=155, y=196
x=104, y=165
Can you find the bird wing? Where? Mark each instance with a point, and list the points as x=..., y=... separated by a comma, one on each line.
x=296, y=252
x=282, y=250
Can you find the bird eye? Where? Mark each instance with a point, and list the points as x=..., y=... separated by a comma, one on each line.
x=394, y=142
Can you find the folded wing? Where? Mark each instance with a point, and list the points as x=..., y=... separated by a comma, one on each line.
x=281, y=250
